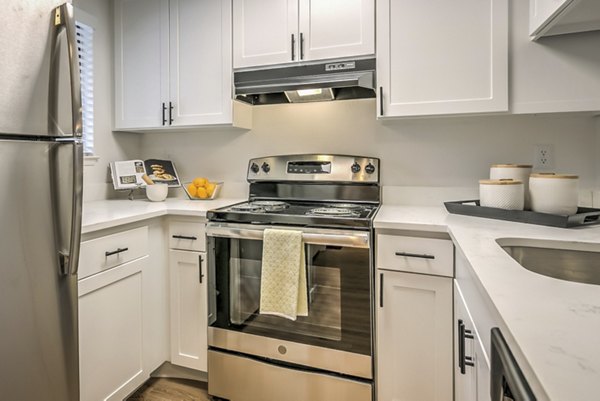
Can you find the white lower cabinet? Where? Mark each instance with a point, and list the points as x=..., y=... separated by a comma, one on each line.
x=471, y=364
x=414, y=337
x=123, y=309
x=188, y=309
x=111, y=332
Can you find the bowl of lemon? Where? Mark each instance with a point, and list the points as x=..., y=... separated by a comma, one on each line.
x=202, y=189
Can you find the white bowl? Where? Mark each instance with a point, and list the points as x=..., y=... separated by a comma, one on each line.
x=157, y=192
x=502, y=194
x=554, y=193
x=519, y=172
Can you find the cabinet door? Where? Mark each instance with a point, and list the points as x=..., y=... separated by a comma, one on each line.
x=200, y=62
x=414, y=337
x=442, y=57
x=188, y=309
x=141, y=62
x=474, y=383
x=264, y=32
x=110, y=333
x=336, y=28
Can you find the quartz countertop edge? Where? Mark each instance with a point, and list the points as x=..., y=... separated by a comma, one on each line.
x=100, y=215
x=555, y=324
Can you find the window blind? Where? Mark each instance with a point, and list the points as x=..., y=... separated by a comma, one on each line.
x=85, y=45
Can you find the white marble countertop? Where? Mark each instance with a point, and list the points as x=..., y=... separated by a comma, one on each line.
x=99, y=215
x=555, y=323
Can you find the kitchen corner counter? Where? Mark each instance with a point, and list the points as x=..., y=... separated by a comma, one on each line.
x=553, y=325
x=99, y=215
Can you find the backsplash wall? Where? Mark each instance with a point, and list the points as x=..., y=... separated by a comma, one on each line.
x=444, y=152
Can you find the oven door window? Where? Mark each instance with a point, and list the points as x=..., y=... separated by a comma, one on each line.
x=338, y=289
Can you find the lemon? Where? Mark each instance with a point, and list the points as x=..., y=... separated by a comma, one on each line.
x=210, y=188
x=191, y=188
x=199, y=182
x=201, y=193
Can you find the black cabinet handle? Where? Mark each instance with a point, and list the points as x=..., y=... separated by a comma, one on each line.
x=293, y=47
x=185, y=237
x=463, y=360
x=301, y=46
x=381, y=290
x=118, y=251
x=381, y=100
x=415, y=255
x=164, y=112
x=170, y=113
x=200, y=275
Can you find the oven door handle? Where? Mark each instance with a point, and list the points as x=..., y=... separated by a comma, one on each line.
x=349, y=239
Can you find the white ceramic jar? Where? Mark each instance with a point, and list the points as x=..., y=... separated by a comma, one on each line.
x=502, y=194
x=157, y=192
x=519, y=172
x=554, y=193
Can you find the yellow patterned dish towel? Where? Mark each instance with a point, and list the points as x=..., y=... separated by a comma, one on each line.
x=283, y=277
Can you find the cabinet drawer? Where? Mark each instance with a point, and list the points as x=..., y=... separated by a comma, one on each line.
x=112, y=250
x=187, y=236
x=416, y=255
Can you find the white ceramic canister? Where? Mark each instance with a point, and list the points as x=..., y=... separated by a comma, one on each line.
x=519, y=172
x=503, y=194
x=554, y=193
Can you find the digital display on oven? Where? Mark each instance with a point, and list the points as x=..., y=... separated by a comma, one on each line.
x=309, y=167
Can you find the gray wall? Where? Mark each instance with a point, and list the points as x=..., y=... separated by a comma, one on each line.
x=418, y=152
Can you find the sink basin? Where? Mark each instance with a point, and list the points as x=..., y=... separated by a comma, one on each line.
x=570, y=261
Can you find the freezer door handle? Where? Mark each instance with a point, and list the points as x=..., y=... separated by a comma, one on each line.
x=63, y=19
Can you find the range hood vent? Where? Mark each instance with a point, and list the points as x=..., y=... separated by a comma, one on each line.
x=340, y=80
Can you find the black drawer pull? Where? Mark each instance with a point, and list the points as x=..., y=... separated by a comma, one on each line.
x=415, y=255
x=381, y=290
x=118, y=251
x=185, y=237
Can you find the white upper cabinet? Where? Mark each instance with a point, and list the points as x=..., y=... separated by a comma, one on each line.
x=441, y=57
x=200, y=62
x=555, y=17
x=267, y=32
x=173, y=63
x=141, y=58
x=336, y=28
x=264, y=32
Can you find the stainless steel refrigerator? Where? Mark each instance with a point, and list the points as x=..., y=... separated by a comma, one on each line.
x=41, y=161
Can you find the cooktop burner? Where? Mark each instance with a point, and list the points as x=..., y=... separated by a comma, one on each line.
x=334, y=211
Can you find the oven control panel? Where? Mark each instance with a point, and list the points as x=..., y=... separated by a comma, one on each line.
x=314, y=168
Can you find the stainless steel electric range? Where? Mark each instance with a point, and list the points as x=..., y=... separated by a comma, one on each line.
x=327, y=355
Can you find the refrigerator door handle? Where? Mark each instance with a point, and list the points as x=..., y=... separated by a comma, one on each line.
x=77, y=212
x=63, y=19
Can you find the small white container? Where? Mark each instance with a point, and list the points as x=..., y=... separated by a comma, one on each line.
x=502, y=194
x=519, y=172
x=157, y=192
x=554, y=193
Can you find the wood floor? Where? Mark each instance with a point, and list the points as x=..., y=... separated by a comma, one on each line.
x=162, y=389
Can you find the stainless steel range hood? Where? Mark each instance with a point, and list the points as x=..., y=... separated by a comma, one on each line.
x=339, y=80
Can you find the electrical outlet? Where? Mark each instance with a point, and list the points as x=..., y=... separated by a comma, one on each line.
x=543, y=157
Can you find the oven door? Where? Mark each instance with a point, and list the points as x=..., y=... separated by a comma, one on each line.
x=336, y=334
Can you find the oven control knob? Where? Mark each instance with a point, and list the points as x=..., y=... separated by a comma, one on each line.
x=266, y=168
x=254, y=168
x=355, y=168
x=370, y=169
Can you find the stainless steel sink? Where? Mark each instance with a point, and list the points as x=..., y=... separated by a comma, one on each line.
x=570, y=261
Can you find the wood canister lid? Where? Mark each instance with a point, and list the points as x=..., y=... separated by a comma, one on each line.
x=501, y=182
x=553, y=175
x=512, y=166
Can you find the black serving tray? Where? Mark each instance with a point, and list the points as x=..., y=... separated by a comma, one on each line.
x=585, y=216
